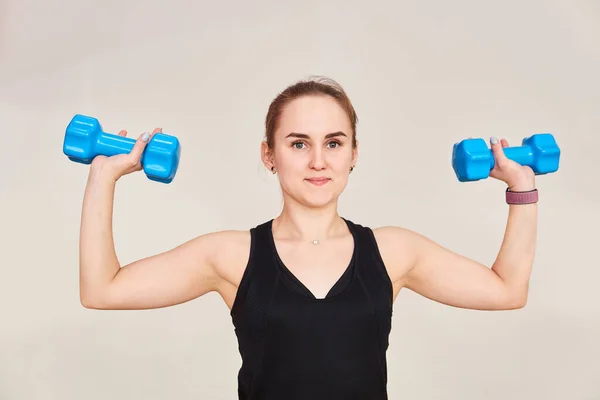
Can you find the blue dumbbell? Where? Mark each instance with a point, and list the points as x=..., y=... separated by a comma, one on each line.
x=84, y=140
x=472, y=160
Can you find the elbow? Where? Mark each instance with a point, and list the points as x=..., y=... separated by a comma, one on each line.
x=514, y=296
x=517, y=305
x=522, y=301
x=91, y=301
x=516, y=302
x=94, y=295
x=88, y=303
x=95, y=305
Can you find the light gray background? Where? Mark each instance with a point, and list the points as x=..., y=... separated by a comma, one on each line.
x=422, y=75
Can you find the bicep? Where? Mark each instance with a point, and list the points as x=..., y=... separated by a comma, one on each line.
x=165, y=279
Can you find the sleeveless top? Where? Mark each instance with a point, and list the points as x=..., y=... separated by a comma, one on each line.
x=294, y=345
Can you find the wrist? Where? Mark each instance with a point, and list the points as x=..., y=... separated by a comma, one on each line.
x=521, y=188
x=101, y=176
x=524, y=185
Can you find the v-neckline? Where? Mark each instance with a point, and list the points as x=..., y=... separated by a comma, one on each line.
x=350, y=268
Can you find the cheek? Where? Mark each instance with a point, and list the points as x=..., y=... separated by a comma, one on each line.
x=340, y=160
x=288, y=160
x=294, y=164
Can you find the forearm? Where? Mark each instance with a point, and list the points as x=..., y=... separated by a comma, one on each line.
x=98, y=262
x=514, y=262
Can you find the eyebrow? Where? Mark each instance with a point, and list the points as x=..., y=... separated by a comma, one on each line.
x=305, y=136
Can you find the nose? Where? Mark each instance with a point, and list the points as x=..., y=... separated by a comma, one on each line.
x=317, y=160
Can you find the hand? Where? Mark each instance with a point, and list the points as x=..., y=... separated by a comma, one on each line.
x=519, y=178
x=122, y=164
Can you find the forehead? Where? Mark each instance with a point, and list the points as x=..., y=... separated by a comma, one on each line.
x=313, y=115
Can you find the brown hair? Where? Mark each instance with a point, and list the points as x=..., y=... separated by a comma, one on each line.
x=320, y=86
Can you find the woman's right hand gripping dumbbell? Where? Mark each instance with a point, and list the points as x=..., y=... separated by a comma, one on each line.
x=114, y=167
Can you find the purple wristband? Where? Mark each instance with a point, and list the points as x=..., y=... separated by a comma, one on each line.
x=528, y=197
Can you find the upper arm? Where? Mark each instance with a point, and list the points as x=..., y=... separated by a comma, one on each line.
x=442, y=275
x=178, y=275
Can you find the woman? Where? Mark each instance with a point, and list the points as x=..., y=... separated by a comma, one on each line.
x=310, y=293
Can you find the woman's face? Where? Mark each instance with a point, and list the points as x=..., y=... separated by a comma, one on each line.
x=313, y=150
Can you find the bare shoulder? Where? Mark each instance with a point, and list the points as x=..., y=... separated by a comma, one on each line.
x=396, y=248
x=230, y=251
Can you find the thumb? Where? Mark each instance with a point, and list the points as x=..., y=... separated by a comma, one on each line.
x=135, y=155
x=498, y=152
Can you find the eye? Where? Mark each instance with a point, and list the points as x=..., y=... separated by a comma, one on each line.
x=295, y=144
x=335, y=142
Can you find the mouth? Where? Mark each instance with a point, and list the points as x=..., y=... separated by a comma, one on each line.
x=318, y=181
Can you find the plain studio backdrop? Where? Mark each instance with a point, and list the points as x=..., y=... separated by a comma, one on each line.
x=422, y=75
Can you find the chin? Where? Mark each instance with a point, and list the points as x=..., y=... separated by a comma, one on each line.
x=314, y=197
x=318, y=200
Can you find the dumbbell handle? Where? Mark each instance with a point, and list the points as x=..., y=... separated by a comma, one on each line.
x=522, y=155
x=108, y=144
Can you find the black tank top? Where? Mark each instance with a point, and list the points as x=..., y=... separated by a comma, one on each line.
x=296, y=346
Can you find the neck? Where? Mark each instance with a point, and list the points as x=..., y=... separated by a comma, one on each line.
x=308, y=225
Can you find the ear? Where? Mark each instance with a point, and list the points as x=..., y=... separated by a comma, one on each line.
x=266, y=155
x=355, y=154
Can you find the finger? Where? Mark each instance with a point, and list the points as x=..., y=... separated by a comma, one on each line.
x=123, y=133
x=504, y=143
x=155, y=131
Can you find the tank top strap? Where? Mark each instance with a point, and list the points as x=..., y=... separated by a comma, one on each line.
x=372, y=267
x=373, y=275
x=258, y=278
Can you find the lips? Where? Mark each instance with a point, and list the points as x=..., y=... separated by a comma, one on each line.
x=318, y=181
